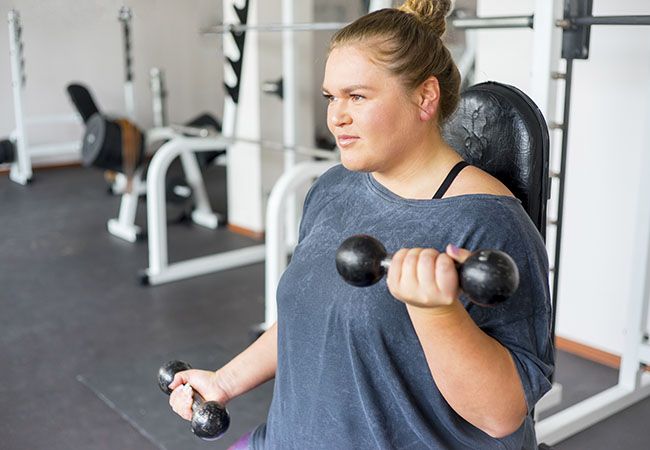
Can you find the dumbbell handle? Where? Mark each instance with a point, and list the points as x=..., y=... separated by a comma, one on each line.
x=467, y=280
x=197, y=399
x=385, y=263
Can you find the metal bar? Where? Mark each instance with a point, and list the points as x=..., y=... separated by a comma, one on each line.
x=588, y=412
x=273, y=27
x=610, y=20
x=194, y=179
x=550, y=400
x=467, y=60
x=644, y=354
x=204, y=265
x=466, y=23
x=124, y=226
x=301, y=149
x=561, y=181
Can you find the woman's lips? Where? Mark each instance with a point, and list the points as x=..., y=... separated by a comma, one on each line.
x=345, y=140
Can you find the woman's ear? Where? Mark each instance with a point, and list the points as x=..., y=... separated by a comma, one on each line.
x=428, y=98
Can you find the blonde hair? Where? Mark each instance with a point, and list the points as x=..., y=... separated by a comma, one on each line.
x=408, y=42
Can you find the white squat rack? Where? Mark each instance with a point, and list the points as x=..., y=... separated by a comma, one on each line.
x=124, y=226
x=21, y=168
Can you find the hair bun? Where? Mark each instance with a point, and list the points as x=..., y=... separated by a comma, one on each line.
x=431, y=12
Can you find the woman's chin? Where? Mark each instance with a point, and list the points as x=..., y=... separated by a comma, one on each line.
x=355, y=164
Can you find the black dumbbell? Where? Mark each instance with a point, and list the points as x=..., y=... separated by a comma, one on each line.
x=210, y=420
x=487, y=277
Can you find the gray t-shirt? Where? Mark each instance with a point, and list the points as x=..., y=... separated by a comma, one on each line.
x=351, y=372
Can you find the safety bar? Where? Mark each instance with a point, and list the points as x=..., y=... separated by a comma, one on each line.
x=474, y=23
x=159, y=270
x=276, y=250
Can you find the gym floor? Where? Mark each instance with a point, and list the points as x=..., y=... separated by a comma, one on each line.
x=71, y=303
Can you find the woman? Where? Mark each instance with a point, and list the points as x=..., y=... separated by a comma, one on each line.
x=409, y=363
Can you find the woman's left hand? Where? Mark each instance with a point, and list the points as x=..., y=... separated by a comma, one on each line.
x=425, y=277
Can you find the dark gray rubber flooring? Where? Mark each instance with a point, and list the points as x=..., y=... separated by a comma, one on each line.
x=80, y=339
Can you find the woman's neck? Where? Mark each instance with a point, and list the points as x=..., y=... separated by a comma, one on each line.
x=419, y=174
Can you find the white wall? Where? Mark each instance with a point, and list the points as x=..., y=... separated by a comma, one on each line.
x=608, y=132
x=67, y=40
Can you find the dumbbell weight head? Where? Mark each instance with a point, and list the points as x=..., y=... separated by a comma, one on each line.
x=489, y=277
x=102, y=145
x=359, y=260
x=210, y=420
x=167, y=372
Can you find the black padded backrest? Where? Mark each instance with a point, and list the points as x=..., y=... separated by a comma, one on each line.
x=205, y=120
x=499, y=129
x=82, y=100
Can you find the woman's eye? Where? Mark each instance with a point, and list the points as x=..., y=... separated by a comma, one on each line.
x=329, y=98
x=356, y=97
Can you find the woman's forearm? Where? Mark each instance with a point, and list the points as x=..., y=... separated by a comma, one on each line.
x=253, y=366
x=474, y=372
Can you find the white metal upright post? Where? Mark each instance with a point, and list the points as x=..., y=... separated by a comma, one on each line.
x=547, y=42
x=158, y=95
x=242, y=118
x=21, y=168
x=124, y=226
x=125, y=17
x=289, y=112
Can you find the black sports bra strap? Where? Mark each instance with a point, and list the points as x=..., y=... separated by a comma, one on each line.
x=450, y=178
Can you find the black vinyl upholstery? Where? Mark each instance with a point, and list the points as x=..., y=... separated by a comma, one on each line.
x=82, y=100
x=499, y=129
x=7, y=151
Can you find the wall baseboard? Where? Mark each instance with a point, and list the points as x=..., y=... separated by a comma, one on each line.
x=258, y=235
x=589, y=353
x=36, y=167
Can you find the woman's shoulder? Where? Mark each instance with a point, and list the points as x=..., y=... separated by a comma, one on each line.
x=330, y=183
x=472, y=180
x=334, y=180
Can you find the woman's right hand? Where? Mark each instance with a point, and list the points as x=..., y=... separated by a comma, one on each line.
x=207, y=383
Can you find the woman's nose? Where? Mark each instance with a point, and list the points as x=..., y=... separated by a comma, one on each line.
x=339, y=116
